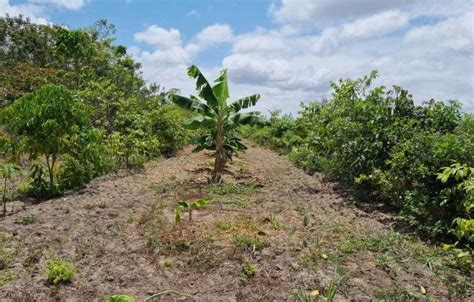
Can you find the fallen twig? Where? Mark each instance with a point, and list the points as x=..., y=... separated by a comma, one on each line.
x=168, y=291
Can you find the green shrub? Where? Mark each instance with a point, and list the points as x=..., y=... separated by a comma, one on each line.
x=88, y=158
x=461, y=189
x=43, y=119
x=381, y=145
x=167, y=124
x=59, y=271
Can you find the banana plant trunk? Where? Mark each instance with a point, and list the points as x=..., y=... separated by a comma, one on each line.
x=219, y=162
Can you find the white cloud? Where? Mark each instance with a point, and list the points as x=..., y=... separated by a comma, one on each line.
x=434, y=61
x=214, y=34
x=166, y=63
x=376, y=25
x=323, y=12
x=37, y=10
x=68, y=4
x=429, y=52
x=160, y=37
x=33, y=12
x=453, y=34
x=193, y=13
x=439, y=8
x=259, y=41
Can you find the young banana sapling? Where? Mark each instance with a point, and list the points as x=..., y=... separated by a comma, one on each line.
x=186, y=206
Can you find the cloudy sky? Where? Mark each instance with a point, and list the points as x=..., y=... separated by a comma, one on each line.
x=287, y=50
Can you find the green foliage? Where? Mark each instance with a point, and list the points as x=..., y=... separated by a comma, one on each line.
x=304, y=296
x=168, y=263
x=59, y=271
x=77, y=104
x=218, y=120
x=249, y=270
x=384, y=147
x=305, y=220
x=7, y=170
x=249, y=242
x=38, y=186
x=185, y=206
x=87, y=158
x=461, y=189
x=26, y=220
x=144, y=133
x=223, y=225
x=45, y=120
x=229, y=189
x=120, y=298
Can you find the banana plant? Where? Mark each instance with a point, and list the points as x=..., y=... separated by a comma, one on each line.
x=8, y=170
x=218, y=119
x=184, y=205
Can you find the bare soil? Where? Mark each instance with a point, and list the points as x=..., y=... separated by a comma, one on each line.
x=270, y=233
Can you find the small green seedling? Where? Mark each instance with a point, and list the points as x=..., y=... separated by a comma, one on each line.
x=25, y=220
x=120, y=298
x=305, y=220
x=274, y=222
x=168, y=263
x=59, y=271
x=8, y=170
x=184, y=205
x=249, y=270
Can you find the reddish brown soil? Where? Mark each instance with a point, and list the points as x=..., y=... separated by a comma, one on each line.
x=120, y=235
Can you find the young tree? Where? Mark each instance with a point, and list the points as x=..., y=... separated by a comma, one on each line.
x=218, y=119
x=44, y=120
x=7, y=172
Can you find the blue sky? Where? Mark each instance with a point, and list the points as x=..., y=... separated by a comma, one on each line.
x=287, y=50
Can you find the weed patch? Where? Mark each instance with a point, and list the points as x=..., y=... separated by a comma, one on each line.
x=26, y=220
x=229, y=188
x=59, y=271
x=249, y=270
x=249, y=243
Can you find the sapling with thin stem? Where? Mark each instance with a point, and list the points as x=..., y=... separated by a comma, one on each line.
x=8, y=170
x=184, y=205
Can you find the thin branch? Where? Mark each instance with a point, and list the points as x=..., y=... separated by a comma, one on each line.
x=169, y=291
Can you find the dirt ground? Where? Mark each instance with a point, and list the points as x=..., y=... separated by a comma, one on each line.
x=270, y=233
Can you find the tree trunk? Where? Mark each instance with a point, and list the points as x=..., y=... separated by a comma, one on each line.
x=218, y=166
x=4, y=198
x=219, y=161
x=51, y=171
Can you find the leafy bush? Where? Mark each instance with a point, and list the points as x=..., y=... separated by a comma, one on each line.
x=166, y=122
x=461, y=189
x=88, y=158
x=43, y=119
x=383, y=146
x=59, y=271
